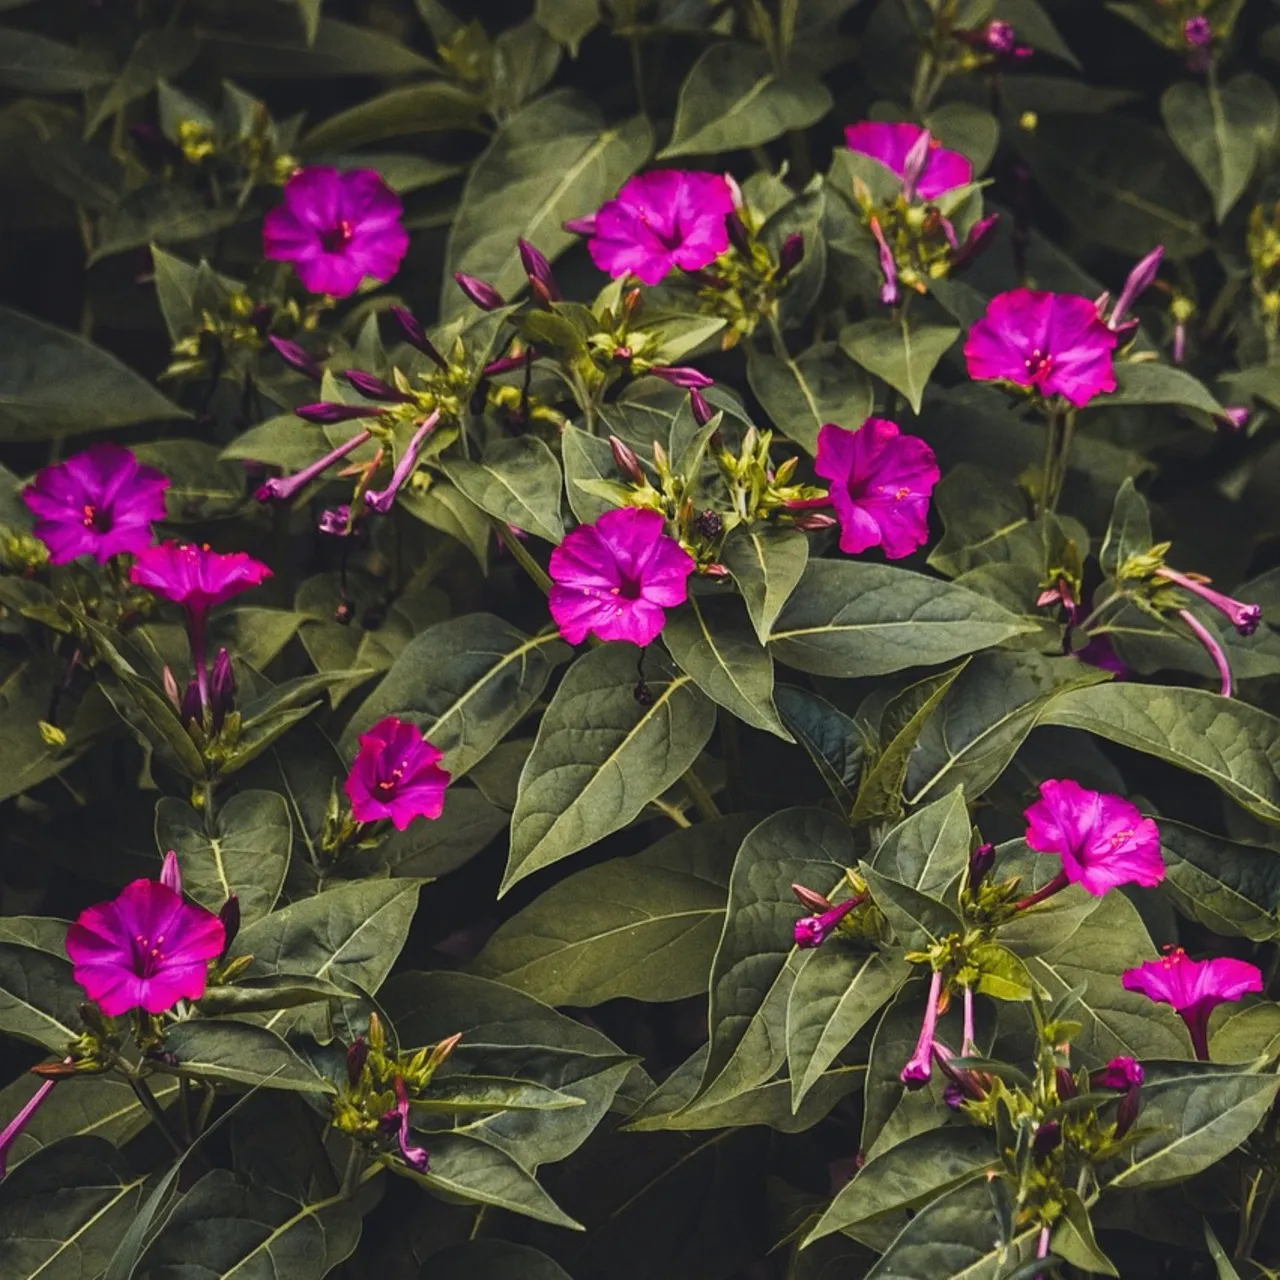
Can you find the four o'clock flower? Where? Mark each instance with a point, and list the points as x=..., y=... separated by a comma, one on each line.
x=1103, y=840
x=615, y=578
x=396, y=774
x=197, y=579
x=147, y=949
x=397, y=1121
x=919, y=1068
x=99, y=503
x=659, y=221
x=1139, y=280
x=1244, y=617
x=881, y=482
x=934, y=170
x=1217, y=654
x=1119, y=1074
x=13, y=1130
x=1052, y=342
x=337, y=229
x=286, y=487
x=889, y=293
x=1194, y=988
x=381, y=500
x=813, y=931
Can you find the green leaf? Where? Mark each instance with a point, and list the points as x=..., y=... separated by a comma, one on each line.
x=644, y=927
x=711, y=639
x=553, y=160
x=1246, y=1033
x=568, y=21
x=446, y=508
x=490, y=1093
x=337, y=49
x=1032, y=933
x=1198, y=1118
x=158, y=213
x=588, y=459
x=1145, y=382
x=494, y=1259
x=226, y=1229
x=734, y=97
x=802, y=394
x=465, y=683
x=836, y=993
x=1230, y=743
x=930, y=849
x=1222, y=130
x=907, y=1176
x=829, y=736
x=33, y=63
x=43, y=933
x=579, y=786
x=246, y=852
x=39, y=1000
x=1129, y=533
x=1073, y=1239
x=852, y=618
x=766, y=561
x=964, y=127
x=428, y=849
x=917, y=919
x=755, y=963
x=158, y=55
x=519, y=482
x=240, y=1053
x=1219, y=1255
x=1233, y=889
x=431, y=106
x=902, y=353
x=202, y=485
x=64, y=1210
x=266, y=995
x=64, y=385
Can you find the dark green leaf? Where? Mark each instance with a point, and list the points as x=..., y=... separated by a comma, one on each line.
x=829, y=736
x=33, y=63
x=902, y=353
x=930, y=849
x=767, y=562
x=917, y=919
x=518, y=482
x=494, y=1259
x=804, y=393
x=240, y=1053
x=39, y=1000
x=1231, y=888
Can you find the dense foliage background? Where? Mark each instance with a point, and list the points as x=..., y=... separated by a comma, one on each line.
x=566, y=1016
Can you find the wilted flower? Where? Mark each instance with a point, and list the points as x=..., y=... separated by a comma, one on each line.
x=1244, y=617
x=145, y=949
x=1103, y=840
x=381, y=500
x=284, y=487
x=1119, y=1074
x=813, y=931
x=1194, y=988
x=881, y=482
x=616, y=577
x=337, y=228
x=889, y=292
x=661, y=220
x=939, y=170
x=1198, y=31
x=916, y=1074
x=1053, y=342
x=397, y=1122
x=101, y=502
x=396, y=774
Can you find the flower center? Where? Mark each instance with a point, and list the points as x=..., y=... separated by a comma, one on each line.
x=386, y=786
x=1039, y=365
x=628, y=588
x=337, y=238
x=97, y=520
x=148, y=958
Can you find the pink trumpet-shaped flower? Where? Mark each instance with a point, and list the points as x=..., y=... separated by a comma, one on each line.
x=662, y=220
x=1217, y=654
x=1244, y=617
x=615, y=578
x=919, y=1068
x=1103, y=840
x=381, y=500
x=1139, y=280
x=99, y=503
x=337, y=229
x=284, y=487
x=1194, y=988
x=13, y=1130
x=145, y=949
x=813, y=931
x=396, y=774
x=1053, y=342
x=937, y=173
x=881, y=482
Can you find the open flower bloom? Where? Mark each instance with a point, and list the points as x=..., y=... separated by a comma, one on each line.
x=617, y=577
x=881, y=482
x=147, y=949
x=1103, y=840
x=1053, y=342
x=98, y=503
x=396, y=774
x=1119, y=1074
x=337, y=228
x=892, y=144
x=661, y=220
x=1195, y=988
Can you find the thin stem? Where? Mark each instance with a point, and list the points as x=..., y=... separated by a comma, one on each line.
x=637, y=72
x=351, y=1174
x=520, y=554
x=1056, y=885
x=1047, y=466
x=1064, y=455
x=700, y=795
x=142, y=1090
x=775, y=335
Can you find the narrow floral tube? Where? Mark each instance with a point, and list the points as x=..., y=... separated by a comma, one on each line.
x=381, y=500
x=1244, y=617
x=813, y=931
x=889, y=292
x=285, y=487
x=968, y=1047
x=13, y=1130
x=919, y=1068
x=1212, y=647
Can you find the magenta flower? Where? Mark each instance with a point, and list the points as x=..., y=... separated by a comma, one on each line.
x=98, y=503
x=891, y=144
x=337, y=228
x=397, y=1121
x=147, y=949
x=1244, y=617
x=813, y=931
x=1217, y=654
x=1198, y=31
x=382, y=500
x=1053, y=342
x=1138, y=281
x=616, y=577
x=919, y=1068
x=1103, y=840
x=881, y=481
x=1120, y=1074
x=1194, y=988
x=396, y=774
x=13, y=1130
x=285, y=487
x=662, y=220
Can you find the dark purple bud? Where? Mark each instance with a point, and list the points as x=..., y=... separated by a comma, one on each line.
x=954, y=1096
x=230, y=917
x=681, y=375
x=739, y=237
x=335, y=521
x=812, y=521
x=1000, y=36
x=483, y=294
x=1047, y=1140
x=507, y=363
x=625, y=457
x=792, y=254
x=190, y=711
x=222, y=688
x=1127, y=1111
x=709, y=524
x=915, y=163
x=296, y=358
x=374, y=388
x=326, y=413
x=810, y=898
x=581, y=226
x=1120, y=1074
x=1067, y=1088
x=981, y=860
x=416, y=335
x=538, y=269
x=702, y=411
x=813, y=931
x=976, y=241
x=1236, y=417
x=357, y=1056
x=1198, y=31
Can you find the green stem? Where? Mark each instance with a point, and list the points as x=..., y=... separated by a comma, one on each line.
x=701, y=797
x=1064, y=458
x=351, y=1174
x=149, y=1104
x=637, y=72
x=520, y=554
x=1048, y=466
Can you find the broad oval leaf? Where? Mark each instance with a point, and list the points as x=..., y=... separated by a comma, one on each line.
x=1233, y=889
x=902, y=352
x=766, y=561
x=239, y=1053
x=802, y=394
x=518, y=482
x=833, y=741
x=928, y=850
x=39, y=1000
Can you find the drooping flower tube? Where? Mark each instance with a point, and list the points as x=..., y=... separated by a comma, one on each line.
x=1103, y=840
x=617, y=577
x=396, y=774
x=1195, y=988
x=919, y=1068
x=382, y=500
x=397, y=1121
x=13, y=1130
x=99, y=503
x=1246, y=618
x=282, y=488
x=1217, y=654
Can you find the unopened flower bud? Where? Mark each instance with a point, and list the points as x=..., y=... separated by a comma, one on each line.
x=1047, y=1140
x=327, y=412
x=709, y=524
x=625, y=456
x=581, y=226
x=811, y=521
x=739, y=237
x=357, y=1056
x=416, y=335
x=538, y=269
x=981, y=860
x=702, y=411
x=683, y=376
x=1066, y=1082
x=375, y=388
x=1000, y=37
x=171, y=690
x=483, y=294
x=190, y=712
x=792, y=254
x=171, y=873
x=1236, y=417
x=1198, y=31
x=810, y=898
x=632, y=301
x=230, y=917
x=441, y=1051
x=1127, y=1111
x=222, y=688
x=296, y=358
